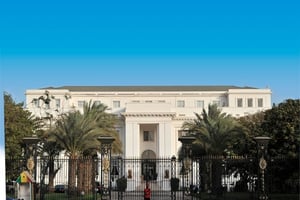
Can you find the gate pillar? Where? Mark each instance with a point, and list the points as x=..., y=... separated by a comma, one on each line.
x=262, y=152
x=105, y=151
x=30, y=155
x=186, y=161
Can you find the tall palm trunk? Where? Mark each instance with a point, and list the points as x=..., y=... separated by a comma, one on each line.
x=52, y=173
x=85, y=175
x=72, y=176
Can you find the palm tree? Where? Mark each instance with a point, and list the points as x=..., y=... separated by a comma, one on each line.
x=77, y=132
x=216, y=133
x=52, y=150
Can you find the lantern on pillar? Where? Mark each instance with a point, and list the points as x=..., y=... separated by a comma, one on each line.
x=262, y=151
x=105, y=150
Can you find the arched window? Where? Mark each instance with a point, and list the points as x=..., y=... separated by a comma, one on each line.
x=148, y=154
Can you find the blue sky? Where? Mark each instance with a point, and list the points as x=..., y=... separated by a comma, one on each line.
x=243, y=43
x=140, y=42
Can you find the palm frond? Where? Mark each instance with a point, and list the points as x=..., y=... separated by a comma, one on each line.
x=77, y=132
x=214, y=131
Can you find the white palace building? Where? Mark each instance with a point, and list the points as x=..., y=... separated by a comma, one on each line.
x=151, y=117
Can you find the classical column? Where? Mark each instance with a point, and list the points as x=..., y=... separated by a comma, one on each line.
x=166, y=143
x=132, y=140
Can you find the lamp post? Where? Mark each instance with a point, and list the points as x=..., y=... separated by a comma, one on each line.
x=187, y=159
x=105, y=150
x=174, y=179
x=262, y=151
x=30, y=151
x=43, y=171
x=30, y=155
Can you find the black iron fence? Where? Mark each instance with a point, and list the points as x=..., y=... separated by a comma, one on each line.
x=283, y=176
x=208, y=177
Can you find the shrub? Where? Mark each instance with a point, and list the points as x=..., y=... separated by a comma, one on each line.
x=122, y=184
x=174, y=184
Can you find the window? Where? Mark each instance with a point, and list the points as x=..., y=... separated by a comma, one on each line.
x=260, y=102
x=116, y=104
x=57, y=103
x=239, y=102
x=80, y=104
x=129, y=173
x=250, y=102
x=167, y=174
x=97, y=103
x=200, y=104
x=148, y=136
x=180, y=104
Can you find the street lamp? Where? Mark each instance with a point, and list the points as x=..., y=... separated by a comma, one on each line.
x=30, y=154
x=187, y=158
x=262, y=150
x=106, y=144
x=187, y=150
x=30, y=151
x=174, y=180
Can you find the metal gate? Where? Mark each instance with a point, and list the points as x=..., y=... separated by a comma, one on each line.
x=156, y=172
x=208, y=177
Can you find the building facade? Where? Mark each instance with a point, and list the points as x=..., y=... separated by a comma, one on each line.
x=151, y=117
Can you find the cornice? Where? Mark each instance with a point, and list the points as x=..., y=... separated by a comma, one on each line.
x=148, y=114
x=183, y=118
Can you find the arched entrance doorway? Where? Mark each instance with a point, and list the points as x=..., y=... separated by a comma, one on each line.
x=149, y=165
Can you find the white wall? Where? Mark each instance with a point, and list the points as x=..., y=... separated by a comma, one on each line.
x=159, y=108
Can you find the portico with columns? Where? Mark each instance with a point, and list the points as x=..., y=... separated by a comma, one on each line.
x=152, y=131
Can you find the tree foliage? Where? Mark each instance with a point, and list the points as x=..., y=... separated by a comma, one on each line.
x=252, y=125
x=215, y=132
x=18, y=123
x=77, y=132
x=282, y=124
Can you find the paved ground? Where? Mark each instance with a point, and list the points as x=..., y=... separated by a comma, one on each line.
x=156, y=195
